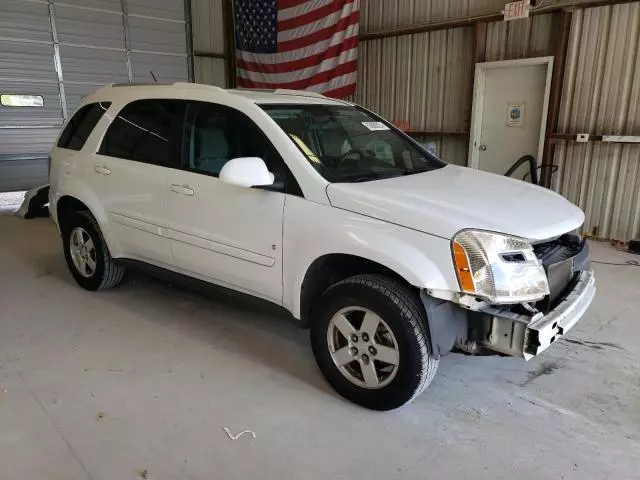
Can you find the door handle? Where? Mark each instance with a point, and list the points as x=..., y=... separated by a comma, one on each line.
x=182, y=189
x=102, y=169
x=482, y=147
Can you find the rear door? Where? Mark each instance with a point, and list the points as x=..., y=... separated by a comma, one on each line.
x=130, y=177
x=227, y=234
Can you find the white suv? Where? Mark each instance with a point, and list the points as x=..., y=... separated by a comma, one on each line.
x=390, y=256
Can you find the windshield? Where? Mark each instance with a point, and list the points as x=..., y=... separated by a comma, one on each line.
x=347, y=144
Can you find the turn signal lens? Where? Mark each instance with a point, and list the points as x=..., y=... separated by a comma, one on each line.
x=463, y=268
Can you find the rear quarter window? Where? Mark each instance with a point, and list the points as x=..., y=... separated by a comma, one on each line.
x=142, y=131
x=77, y=131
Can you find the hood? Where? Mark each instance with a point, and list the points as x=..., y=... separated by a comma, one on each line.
x=442, y=202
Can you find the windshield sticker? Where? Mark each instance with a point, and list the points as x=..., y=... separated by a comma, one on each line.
x=375, y=125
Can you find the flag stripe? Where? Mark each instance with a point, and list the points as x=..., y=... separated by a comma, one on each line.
x=287, y=13
x=308, y=28
x=318, y=36
x=306, y=83
x=319, y=15
x=305, y=62
x=290, y=3
x=292, y=55
x=336, y=83
x=324, y=66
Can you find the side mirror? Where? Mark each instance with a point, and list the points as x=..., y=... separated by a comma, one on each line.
x=246, y=172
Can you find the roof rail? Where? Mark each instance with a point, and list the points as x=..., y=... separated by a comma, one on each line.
x=301, y=93
x=200, y=86
x=163, y=84
x=281, y=91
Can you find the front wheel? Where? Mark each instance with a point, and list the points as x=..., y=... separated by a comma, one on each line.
x=370, y=340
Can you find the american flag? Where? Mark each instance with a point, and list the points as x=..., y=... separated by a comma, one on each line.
x=303, y=45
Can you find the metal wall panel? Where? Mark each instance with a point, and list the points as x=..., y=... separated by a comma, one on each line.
x=530, y=37
x=151, y=35
x=211, y=71
x=209, y=37
x=93, y=65
x=25, y=20
x=165, y=9
x=423, y=79
x=89, y=27
x=27, y=141
x=107, y=5
x=166, y=68
x=27, y=61
x=19, y=174
x=382, y=14
x=603, y=180
x=208, y=26
x=601, y=95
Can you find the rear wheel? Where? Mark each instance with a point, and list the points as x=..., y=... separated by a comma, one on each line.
x=370, y=340
x=87, y=255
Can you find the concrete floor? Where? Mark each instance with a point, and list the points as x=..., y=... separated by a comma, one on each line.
x=139, y=381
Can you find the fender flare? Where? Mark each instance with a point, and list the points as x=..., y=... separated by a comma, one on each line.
x=88, y=198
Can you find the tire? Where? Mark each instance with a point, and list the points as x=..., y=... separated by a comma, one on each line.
x=399, y=308
x=106, y=272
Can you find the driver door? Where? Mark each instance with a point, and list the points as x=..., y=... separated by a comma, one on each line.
x=223, y=233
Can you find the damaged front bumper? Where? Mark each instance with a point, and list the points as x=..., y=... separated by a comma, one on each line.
x=526, y=336
x=498, y=329
x=543, y=331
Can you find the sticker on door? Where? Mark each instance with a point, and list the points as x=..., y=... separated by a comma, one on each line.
x=515, y=114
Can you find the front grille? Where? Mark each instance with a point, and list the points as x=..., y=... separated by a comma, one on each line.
x=563, y=259
x=557, y=250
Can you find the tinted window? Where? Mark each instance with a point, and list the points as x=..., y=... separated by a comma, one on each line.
x=214, y=134
x=142, y=131
x=81, y=125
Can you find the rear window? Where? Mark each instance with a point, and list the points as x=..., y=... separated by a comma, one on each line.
x=142, y=131
x=81, y=125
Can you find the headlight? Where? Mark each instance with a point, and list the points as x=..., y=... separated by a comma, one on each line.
x=499, y=268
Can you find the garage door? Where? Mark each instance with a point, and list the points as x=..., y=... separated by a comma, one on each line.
x=54, y=53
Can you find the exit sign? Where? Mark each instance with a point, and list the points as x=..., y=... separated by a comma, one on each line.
x=516, y=10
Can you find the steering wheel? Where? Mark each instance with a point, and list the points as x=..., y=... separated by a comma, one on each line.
x=353, y=151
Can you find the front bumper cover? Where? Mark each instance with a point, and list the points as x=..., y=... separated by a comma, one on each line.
x=542, y=332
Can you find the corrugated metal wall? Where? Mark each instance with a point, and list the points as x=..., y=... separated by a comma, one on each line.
x=383, y=14
x=423, y=80
x=601, y=95
x=426, y=79
x=209, y=43
x=64, y=50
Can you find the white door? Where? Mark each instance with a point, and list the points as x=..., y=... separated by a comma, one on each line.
x=130, y=178
x=223, y=233
x=510, y=109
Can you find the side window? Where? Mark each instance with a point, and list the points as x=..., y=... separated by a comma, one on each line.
x=81, y=125
x=142, y=132
x=214, y=134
